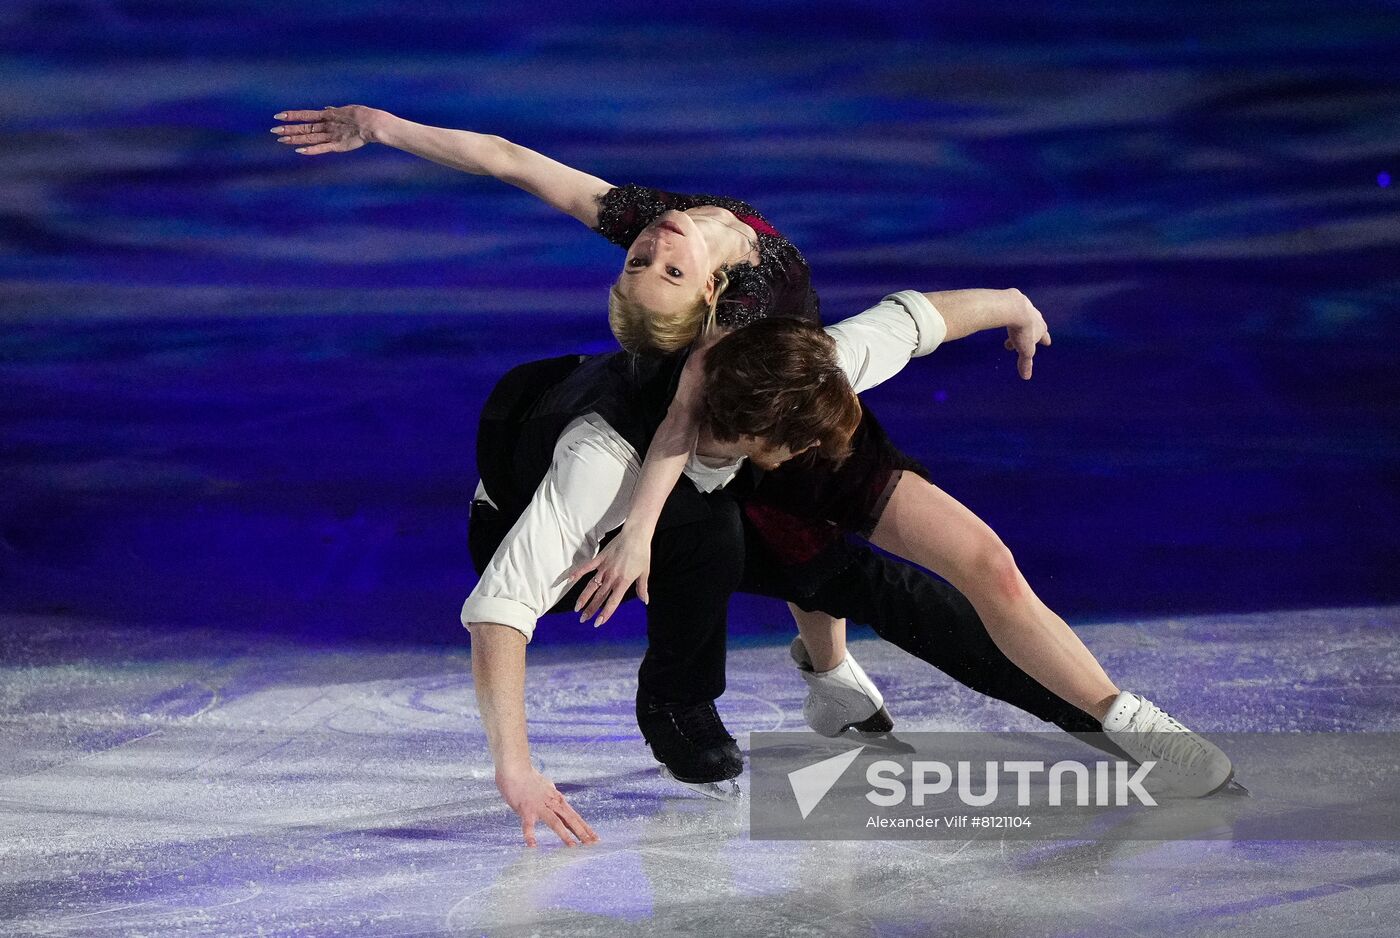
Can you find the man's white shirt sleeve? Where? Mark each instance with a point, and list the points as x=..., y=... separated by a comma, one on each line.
x=585, y=494
x=875, y=345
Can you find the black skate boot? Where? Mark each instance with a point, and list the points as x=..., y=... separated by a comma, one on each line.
x=692, y=745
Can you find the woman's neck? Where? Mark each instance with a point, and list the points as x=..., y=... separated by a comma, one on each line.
x=727, y=244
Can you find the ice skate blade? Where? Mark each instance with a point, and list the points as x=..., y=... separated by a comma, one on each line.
x=1234, y=788
x=887, y=741
x=878, y=722
x=1230, y=788
x=727, y=790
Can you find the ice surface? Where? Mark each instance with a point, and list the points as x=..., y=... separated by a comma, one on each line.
x=217, y=783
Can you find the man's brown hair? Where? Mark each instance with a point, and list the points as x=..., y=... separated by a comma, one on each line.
x=779, y=379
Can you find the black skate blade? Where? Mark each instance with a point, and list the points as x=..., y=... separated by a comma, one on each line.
x=874, y=730
x=1233, y=788
x=726, y=790
x=887, y=741
x=878, y=722
x=1230, y=786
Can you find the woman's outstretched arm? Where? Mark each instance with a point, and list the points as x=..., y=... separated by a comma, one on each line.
x=341, y=129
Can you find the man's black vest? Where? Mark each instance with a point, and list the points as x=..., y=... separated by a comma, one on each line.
x=530, y=407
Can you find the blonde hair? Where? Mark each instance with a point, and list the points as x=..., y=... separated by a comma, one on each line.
x=639, y=329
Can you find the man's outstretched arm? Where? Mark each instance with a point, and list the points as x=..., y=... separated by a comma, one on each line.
x=498, y=671
x=969, y=311
x=875, y=345
x=582, y=497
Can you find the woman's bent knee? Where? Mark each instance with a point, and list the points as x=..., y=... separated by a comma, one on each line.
x=997, y=575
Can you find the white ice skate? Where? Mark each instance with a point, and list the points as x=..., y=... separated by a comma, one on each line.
x=845, y=702
x=1187, y=764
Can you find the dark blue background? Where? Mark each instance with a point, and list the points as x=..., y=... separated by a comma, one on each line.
x=239, y=387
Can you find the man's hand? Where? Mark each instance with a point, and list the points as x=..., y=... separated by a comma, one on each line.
x=966, y=312
x=626, y=560
x=534, y=798
x=330, y=130
x=1026, y=329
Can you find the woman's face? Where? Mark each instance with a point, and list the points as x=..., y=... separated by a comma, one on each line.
x=668, y=266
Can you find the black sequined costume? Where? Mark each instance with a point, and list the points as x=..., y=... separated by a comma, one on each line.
x=803, y=509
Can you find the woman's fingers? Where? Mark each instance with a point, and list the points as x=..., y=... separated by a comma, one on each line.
x=537, y=801
x=613, y=602
x=596, y=602
x=294, y=130
x=587, y=593
x=580, y=569
x=306, y=140
x=319, y=149
x=548, y=816
x=299, y=115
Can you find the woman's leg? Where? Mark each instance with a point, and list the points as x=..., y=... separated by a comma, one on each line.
x=926, y=525
x=915, y=611
x=824, y=637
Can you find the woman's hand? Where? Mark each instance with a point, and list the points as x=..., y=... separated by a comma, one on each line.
x=626, y=560
x=1026, y=329
x=330, y=130
x=535, y=799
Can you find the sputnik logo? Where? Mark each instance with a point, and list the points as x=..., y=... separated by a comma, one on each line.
x=810, y=784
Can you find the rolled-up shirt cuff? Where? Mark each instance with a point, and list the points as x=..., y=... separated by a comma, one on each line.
x=501, y=611
x=929, y=321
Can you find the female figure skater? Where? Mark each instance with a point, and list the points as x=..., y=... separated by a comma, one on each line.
x=697, y=266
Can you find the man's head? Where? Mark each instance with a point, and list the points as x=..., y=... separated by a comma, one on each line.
x=775, y=387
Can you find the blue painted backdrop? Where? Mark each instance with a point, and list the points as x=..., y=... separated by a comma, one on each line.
x=239, y=386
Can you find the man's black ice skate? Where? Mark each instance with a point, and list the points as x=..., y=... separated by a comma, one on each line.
x=692, y=745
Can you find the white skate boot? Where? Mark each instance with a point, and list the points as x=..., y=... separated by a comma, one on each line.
x=844, y=701
x=1188, y=765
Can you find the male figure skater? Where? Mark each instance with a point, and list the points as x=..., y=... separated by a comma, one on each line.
x=559, y=452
